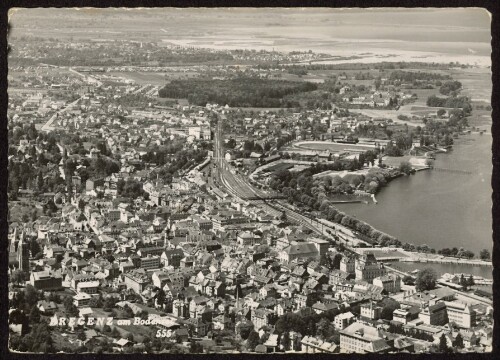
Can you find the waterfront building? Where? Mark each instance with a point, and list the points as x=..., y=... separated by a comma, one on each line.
x=367, y=268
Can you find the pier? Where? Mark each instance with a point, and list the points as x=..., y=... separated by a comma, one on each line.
x=447, y=261
x=453, y=171
x=348, y=201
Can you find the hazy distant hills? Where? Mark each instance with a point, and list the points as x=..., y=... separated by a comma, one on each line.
x=449, y=31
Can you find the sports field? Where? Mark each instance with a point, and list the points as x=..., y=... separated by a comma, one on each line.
x=331, y=146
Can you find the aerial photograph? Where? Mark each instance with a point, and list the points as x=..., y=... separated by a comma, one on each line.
x=250, y=180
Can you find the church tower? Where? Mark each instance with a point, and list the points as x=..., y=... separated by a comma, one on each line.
x=23, y=254
x=13, y=241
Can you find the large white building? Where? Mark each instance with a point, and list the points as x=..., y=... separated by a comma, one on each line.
x=391, y=283
x=367, y=268
x=343, y=320
x=461, y=314
x=361, y=338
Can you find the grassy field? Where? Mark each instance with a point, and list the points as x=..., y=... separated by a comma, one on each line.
x=423, y=94
x=141, y=78
x=395, y=161
x=480, y=117
x=333, y=146
x=358, y=82
x=259, y=109
x=477, y=83
x=279, y=166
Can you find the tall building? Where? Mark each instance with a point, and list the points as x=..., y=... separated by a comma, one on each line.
x=12, y=241
x=367, y=268
x=348, y=264
x=23, y=254
x=461, y=314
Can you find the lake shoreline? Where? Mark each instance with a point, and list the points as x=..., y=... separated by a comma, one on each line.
x=432, y=186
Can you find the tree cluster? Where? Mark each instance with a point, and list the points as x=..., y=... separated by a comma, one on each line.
x=450, y=87
x=130, y=188
x=237, y=92
x=426, y=279
x=461, y=102
x=456, y=252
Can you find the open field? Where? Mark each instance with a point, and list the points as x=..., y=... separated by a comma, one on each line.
x=480, y=117
x=141, y=78
x=423, y=94
x=477, y=83
x=395, y=161
x=258, y=109
x=153, y=78
x=279, y=167
x=335, y=147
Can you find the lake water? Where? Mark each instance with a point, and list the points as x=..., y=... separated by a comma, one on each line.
x=437, y=208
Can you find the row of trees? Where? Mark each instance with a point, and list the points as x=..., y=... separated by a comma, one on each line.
x=412, y=76
x=399, y=144
x=461, y=253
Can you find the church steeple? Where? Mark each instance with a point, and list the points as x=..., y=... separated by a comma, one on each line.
x=23, y=253
x=13, y=240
